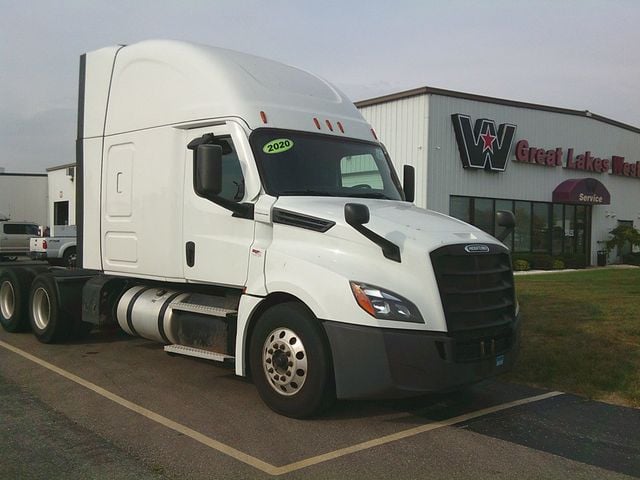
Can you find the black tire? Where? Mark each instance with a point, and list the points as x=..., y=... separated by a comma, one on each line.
x=296, y=387
x=14, y=298
x=48, y=322
x=69, y=258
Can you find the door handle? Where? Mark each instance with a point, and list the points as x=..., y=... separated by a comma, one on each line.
x=190, y=252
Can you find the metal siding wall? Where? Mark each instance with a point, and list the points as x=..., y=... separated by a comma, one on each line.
x=61, y=189
x=24, y=198
x=401, y=127
x=547, y=130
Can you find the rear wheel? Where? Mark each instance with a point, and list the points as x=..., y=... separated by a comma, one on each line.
x=13, y=300
x=48, y=323
x=291, y=363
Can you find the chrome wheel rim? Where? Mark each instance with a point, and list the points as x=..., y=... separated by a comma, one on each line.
x=41, y=308
x=284, y=360
x=7, y=299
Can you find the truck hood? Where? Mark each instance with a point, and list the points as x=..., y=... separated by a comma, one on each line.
x=400, y=222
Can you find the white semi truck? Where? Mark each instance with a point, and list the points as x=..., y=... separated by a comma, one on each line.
x=242, y=210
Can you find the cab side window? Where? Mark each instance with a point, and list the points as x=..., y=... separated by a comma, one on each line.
x=232, y=178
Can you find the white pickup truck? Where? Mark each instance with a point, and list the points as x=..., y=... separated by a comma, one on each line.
x=60, y=248
x=14, y=237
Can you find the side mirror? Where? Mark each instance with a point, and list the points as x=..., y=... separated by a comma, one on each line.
x=409, y=183
x=208, y=171
x=507, y=220
x=356, y=214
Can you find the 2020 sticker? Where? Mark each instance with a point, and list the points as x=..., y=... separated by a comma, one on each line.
x=278, y=145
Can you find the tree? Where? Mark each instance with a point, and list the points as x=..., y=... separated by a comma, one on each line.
x=623, y=235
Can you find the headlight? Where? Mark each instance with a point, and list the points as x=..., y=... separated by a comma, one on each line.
x=383, y=304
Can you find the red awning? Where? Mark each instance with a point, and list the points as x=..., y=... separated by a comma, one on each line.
x=583, y=191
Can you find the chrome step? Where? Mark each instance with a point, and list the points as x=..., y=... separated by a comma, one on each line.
x=202, y=309
x=198, y=352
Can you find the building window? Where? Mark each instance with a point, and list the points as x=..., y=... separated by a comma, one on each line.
x=541, y=227
x=460, y=207
x=484, y=214
x=557, y=229
x=504, y=205
x=522, y=232
x=360, y=170
x=569, y=229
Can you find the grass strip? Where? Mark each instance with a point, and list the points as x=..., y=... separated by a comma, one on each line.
x=581, y=333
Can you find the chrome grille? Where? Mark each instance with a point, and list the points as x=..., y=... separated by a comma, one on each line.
x=476, y=290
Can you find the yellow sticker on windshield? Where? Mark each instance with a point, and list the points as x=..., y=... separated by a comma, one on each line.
x=278, y=145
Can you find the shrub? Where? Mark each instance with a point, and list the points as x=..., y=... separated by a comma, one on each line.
x=521, y=265
x=574, y=261
x=631, y=258
x=541, y=262
x=623, y=235
x=558, y=264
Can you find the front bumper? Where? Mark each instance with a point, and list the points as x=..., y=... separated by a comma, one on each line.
x=383, y=363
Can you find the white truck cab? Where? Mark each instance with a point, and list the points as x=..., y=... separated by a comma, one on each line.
x=242, y=210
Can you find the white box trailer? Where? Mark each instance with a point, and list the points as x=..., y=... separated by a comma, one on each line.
x=242, y=210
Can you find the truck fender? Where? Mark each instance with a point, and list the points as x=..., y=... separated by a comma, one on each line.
x=249, y=311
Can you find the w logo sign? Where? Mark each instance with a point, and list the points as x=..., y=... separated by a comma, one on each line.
x=483, y=146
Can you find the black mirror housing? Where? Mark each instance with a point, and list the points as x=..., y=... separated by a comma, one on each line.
x=409, y=183
x=356, y=214
x=208, y=170
x=507, y=220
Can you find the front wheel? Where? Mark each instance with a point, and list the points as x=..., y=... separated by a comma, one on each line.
x=291, y=363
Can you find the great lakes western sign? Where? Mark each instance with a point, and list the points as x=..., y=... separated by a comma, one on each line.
x=488, y=147
x=586, y=162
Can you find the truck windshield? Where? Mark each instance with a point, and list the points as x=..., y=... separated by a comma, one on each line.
x=297, y=163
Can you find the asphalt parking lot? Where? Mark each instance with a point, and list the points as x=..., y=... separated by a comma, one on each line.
x=113, y=406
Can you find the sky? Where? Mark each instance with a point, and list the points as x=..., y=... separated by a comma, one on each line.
x=578, y=54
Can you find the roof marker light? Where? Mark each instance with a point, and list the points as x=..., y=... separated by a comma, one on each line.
x=341, y=127
x=329, y=125
x=263, y=116
x=373, y=132
x=315, y=120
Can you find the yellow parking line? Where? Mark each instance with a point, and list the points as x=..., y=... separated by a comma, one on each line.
x=199, y=437
x=256, y=462
x=410, y=433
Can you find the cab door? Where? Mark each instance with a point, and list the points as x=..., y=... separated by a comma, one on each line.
x=217, y=242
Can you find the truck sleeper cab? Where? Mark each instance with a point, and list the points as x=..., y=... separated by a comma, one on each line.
x=289, y=248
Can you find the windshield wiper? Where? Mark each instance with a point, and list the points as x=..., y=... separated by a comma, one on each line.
x=317, y=193
x=370, y=195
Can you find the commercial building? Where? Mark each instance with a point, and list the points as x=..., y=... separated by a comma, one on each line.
x=569, y=176
x=23, y=196
x=62, y=196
